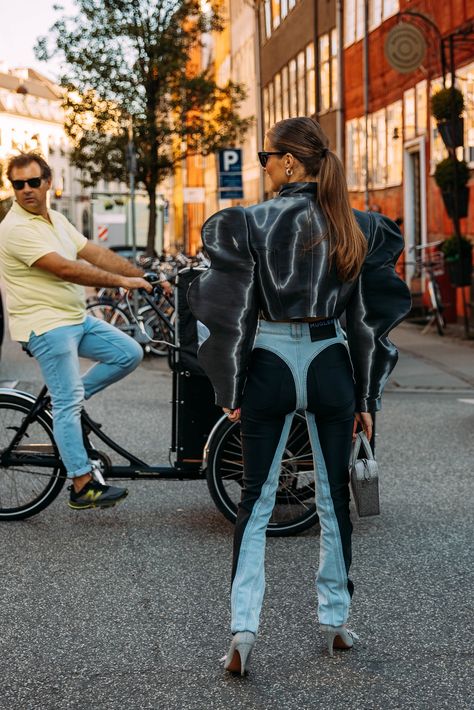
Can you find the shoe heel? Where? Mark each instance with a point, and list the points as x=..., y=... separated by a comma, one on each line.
x=329, y=636
x=238, y=658
x=346, y=637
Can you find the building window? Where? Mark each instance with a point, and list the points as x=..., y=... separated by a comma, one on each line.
x=438, y=151
x=268, y=18
x=324, y=74
x=380, y=10
x=328, y=71
x=385, y=149
x=276, y=13
x=293, y=89
x=272, y=13
x=310, y=80
x=266, y=109
x=355, y=21
x=277, y=81
x=466, y=84
x=334, y=77
x=390, y=7
x=301, y=85
x=354, y=152
x=284, y=93
x=409, y=119
x=375, y=13
x=421, y=101
x=377, y=145
x=271, y=104
x=394, y=143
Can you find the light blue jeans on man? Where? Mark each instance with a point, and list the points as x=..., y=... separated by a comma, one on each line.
x=57, y=352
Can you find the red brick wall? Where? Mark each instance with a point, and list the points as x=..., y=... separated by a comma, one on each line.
x=387, y=85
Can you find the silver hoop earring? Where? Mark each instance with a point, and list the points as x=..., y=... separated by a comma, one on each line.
x=289, y=172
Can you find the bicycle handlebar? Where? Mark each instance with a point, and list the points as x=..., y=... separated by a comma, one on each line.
x=425, y=246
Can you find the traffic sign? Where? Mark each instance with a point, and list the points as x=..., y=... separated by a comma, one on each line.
x=102, y=233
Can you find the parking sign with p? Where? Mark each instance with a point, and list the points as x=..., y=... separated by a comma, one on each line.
x=230, y=174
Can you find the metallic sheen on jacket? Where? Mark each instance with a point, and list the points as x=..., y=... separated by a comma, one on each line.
x=271, y=260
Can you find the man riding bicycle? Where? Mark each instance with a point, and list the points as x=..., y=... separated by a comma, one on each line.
x=46, y=263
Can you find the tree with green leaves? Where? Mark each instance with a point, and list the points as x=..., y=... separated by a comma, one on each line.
x=131, y=61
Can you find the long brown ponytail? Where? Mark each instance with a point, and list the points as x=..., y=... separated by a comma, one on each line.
x=306, y=141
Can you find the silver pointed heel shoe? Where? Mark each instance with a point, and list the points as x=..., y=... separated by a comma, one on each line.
x=338, y=637
x=240, y=649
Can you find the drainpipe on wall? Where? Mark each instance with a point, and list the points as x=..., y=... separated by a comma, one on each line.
x=366, y=102
x=340, y=144
x=260, y=127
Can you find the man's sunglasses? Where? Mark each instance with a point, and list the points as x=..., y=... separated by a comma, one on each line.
x=263, y=156
x=32, y=182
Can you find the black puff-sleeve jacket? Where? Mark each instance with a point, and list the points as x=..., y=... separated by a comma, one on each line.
x=261, y=264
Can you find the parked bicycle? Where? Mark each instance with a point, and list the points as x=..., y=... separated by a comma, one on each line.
x=134, y=315
x=152, y=327
x=432, y=265
x=204, y=443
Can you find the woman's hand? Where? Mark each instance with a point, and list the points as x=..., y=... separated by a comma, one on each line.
x=366, y=422
x=233, y=414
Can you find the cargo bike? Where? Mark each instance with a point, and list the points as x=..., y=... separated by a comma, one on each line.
x=204, y=443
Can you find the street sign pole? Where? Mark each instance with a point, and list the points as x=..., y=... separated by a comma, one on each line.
x=140, y=335
x=132, y=171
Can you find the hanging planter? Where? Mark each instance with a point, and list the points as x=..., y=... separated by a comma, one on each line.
x=463, y=202
x=451, y=128
x=451, y=132
x=452, y=175
x=458, y=260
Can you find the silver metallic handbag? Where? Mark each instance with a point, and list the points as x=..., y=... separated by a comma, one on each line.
x=364, y=475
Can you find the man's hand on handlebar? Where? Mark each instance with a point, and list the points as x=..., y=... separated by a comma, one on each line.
x=133, y=282
x=159, y=280
x=167, y=288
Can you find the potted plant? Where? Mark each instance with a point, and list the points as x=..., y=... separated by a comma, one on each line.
x=458, y=259
x=451, y=132
x=452, y=175
x=108, y=205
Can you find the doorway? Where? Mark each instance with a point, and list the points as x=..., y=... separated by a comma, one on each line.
x=414, y=191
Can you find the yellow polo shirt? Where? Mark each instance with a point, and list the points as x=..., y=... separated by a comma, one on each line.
x=38, y=301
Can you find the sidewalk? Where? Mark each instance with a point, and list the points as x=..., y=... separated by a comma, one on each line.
x=431, y=362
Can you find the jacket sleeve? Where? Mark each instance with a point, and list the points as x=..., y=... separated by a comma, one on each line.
x=224, y=299
x=379, y=302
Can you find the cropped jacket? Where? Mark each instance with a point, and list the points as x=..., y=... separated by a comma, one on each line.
x=271, y=260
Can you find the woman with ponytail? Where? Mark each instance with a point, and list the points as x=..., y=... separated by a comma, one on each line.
x=282, y=273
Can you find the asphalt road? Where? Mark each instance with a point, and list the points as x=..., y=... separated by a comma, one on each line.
x=128, y=609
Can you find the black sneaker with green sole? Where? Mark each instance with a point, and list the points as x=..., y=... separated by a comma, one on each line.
x=96, y=495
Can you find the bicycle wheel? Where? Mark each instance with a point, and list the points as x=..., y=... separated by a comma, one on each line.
x=110, y=313
x=295, y=505
x=27, y=489
x=156, y=330
x=437, y=305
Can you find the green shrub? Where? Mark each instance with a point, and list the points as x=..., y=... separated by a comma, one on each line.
x=441, y=104
x=452, y=248
x=444, y=174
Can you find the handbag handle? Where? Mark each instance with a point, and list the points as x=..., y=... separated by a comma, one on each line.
x=361, y=439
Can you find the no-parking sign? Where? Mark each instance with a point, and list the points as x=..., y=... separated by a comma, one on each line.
x=102, y=233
